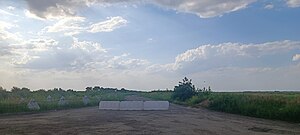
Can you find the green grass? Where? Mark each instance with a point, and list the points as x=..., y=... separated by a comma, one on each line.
x=157, y=95
x=284, y=106
x=270, y=105
x=11, y=102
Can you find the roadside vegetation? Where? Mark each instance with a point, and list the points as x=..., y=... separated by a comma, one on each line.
x=278, y=106
x=158, y=95
x=16, y=100
x=270, y=105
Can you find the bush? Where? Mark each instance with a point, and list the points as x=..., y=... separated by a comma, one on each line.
x=184, y=90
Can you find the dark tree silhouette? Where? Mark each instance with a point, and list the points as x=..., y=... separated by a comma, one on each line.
x=2, y=89
x=184, y=90
x=23, y=92
x=88, y=89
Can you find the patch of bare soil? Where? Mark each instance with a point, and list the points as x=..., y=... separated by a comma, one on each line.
x=177, y=120
x=204, y=103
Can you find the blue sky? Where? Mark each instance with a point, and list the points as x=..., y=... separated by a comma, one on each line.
x=231, y=45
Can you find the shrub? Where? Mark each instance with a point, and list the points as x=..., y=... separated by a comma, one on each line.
x=184, y=90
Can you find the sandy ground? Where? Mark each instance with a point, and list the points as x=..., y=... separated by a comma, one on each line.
x=177, y=120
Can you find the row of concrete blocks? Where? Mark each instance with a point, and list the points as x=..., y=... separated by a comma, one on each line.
x=134, y=105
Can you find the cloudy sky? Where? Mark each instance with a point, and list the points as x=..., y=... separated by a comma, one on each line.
x=150, y=44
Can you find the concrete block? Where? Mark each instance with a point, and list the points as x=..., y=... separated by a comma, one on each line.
x=132, y=105
x=109, y=105
x=156, y=105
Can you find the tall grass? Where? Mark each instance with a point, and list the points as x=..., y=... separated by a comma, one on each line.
x=12, y=103
x=264, y=105
x=158, y=95
x=270, y=105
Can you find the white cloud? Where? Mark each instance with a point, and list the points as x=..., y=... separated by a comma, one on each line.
x=23, y=58
x=44, y=54
x=223, y=55
x=74, y=25
x=40, y=44
x=83, y=63
x=87, y=46
x=296, y=57
x=41, y=52
x=6, y=13
x=69, y=26
x=123, y=62
x=50, y=54
x=6, y=35
x=109, y=25
x=29, y=50
x=35, y=44
x=54, y=9
x=11, y=8
x=265, y=66
x=28, y=14
x=6, y=39
x=150, y=40
x=269, y=6
x=5, y=50
x=204, y=8
x=258, y=78
x=18, y=50
x=5, y=25
x=293, y=3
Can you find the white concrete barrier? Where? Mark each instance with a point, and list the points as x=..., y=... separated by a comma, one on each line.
x=109, y=105
x=156, y=105
x=132, y=105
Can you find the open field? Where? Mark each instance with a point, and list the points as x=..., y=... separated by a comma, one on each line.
x=270, y=105
x=177, y=120
x=15, y=102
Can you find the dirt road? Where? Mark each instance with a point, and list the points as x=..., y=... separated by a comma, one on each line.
x=177, y=120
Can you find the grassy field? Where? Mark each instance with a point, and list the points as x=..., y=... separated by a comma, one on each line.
x=14, y=102
x=158, y=95
x=270, y=105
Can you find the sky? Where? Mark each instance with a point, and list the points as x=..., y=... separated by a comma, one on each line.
x=229, y=45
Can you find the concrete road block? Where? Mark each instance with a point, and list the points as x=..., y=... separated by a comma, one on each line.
x=109, y=105
x=156, y=105
x=131, y=105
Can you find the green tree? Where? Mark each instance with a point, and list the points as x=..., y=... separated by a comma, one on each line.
x=23, y=92
x=3, y=93
x=2, y=89
x=184, y=90
x=88, y=89
x=15, y=89
x=209, y=89
x=96, y=88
